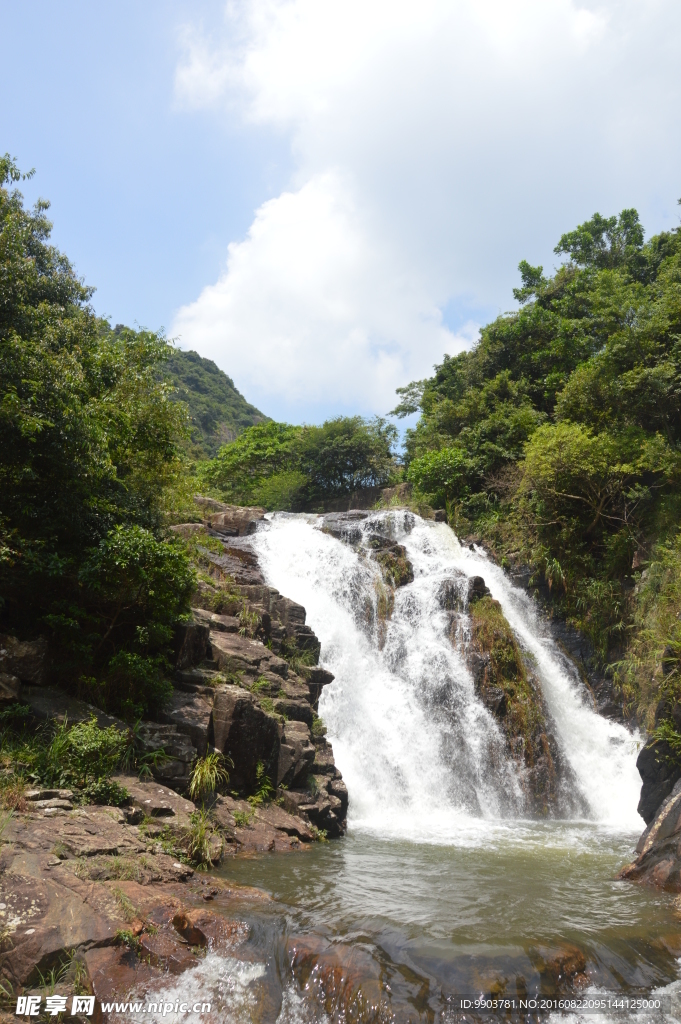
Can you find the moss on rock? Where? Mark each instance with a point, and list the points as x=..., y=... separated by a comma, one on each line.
x=511, y=694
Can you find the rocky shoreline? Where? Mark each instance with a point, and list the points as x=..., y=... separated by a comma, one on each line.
x=96, y=886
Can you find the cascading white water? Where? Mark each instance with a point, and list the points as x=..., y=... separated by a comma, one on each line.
x=421, y=755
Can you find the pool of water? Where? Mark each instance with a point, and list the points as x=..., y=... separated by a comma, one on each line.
x=482, y=915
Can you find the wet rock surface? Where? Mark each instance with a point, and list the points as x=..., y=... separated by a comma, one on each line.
x=659, y=773
x=513, y=695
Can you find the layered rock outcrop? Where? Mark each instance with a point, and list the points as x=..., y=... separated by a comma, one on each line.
x=248, y=680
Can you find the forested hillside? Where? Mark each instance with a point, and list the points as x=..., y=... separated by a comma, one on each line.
x=218, y=412
x=557, y=440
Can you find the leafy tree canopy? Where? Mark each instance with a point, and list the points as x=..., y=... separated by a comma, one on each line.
x=558, y=436
x=90, y=443
x=289, y=467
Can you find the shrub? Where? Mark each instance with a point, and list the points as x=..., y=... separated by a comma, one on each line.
x=107, y=792
x=264, y=787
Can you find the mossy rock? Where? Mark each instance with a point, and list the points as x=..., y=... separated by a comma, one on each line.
x=396, y=567
x=519, y=709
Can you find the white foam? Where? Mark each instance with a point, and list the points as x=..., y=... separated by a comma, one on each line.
x=420, y=754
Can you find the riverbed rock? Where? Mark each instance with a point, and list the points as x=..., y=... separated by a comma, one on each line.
x=341, y=979
x=345, y=525
x=476, y=589
x=156, y=800
x=10, y=688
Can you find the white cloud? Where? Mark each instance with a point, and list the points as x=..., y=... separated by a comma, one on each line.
x=311, y=308
x=435, y=144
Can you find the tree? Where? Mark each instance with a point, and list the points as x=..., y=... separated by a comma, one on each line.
x=90, y=442
x=282, y=466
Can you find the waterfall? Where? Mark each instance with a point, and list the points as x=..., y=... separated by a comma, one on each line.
x=421, y=755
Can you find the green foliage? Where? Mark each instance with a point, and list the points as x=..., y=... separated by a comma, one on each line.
x=318, y=727
x=90, y=449
x=242, y=819
x=248, y=621
x=83, y=753
x=264, y=788
x=201, y=840
x=650, y=670
x=218, y=412
x=557, y=438
x=124, y=937
x=105, y=791
x=82, y=757
x=260, y=685
x=208, y=774
x=281, y=466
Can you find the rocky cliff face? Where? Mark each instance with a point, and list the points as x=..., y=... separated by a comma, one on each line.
x=248, y=680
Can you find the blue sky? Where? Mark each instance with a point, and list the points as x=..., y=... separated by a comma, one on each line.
x=325, y=198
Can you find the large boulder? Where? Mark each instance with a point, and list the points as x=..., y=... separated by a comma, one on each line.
x=235, y=521
x=234, y=653
x=190, y=713
x=248, y=735
x=50, y=705
x=25, y=659
x=659, y=774
x=658, y=853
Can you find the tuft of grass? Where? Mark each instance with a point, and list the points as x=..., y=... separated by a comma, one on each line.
x=130, y=911
x=296, y=657
x=318, y=727
x=260, y=685
x=199, y=839
x=126, y=938
x=242, y=819
x=249, y=621
x=106, y=792
x=208, y=774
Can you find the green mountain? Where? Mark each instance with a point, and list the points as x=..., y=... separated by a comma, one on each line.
x=218, y=411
